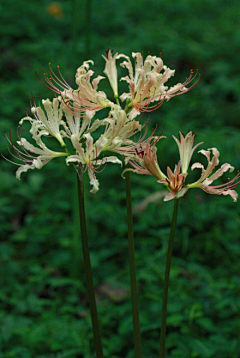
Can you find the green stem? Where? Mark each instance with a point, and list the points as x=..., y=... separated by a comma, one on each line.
x=87, y=266
x=166, y=281
x=135, y=314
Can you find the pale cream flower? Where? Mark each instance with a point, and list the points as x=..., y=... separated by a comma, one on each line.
x=76, y=124
x=43, y=124
x=186, y=149
x=147, y=83
x=119, y=128
x=44, y=155
x=88, y=157
x=85, y=97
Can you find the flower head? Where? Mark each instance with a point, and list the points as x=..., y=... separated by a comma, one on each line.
x=147, y=84
x=144, y=161
x=88, y=157
x=43, y=124
x=175, y=183
x=44, y=155
x=143, y=158
x=119, y=128
x=86, y=97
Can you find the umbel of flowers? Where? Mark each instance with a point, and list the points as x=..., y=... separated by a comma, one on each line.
x=71, y=117
x=143, y=159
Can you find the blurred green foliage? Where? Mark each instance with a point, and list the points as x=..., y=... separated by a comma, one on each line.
x=43, y=303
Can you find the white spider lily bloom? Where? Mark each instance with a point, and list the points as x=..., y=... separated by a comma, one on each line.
x=76, y=123
x=44, y=155
x=85, y=97
x=43, y=124
x=119, y=128
x=206, y=179
x=88, y=157
x=111, y=71
x=147, y=84
x=186, y=149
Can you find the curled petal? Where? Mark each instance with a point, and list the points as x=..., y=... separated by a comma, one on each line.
x=93, y=181
x=111, y=70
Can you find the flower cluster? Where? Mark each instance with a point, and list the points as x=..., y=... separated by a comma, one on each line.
x=70, y=117
x=144, y=161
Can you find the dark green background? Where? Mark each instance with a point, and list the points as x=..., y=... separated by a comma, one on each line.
x=43, y=304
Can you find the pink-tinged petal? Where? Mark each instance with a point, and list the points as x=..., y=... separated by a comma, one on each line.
x=170, y=175
x=89, y=144
x=177, y=169
x=138, y=171
x=170, y=196
x=93, y=181
x=163, y=181
x=96, y=81
x=100, y=143
x=111, y=70
x=124, y=96
x=232, y=193
x=206, y=153
x=197, y=165
x=74, y=158
x=177, y=141
x=78, y=147
x=110, y=159
x=182, y=177
x=224, y=168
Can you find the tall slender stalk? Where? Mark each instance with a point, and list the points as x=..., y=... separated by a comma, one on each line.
x=87, y=265
x=76, y=265
x=166, y=280
x=135, y=314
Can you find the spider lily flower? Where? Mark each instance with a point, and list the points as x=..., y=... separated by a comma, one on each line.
x=206, y=179
x=86, y=97
x=43, y=124
x=76, y=124
x=88, y=158
x=186, y=149
x=118, y=129
x=147, y=84
x=144, y=160
x=175, y=183
x=44, y=155
x=111, y=71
